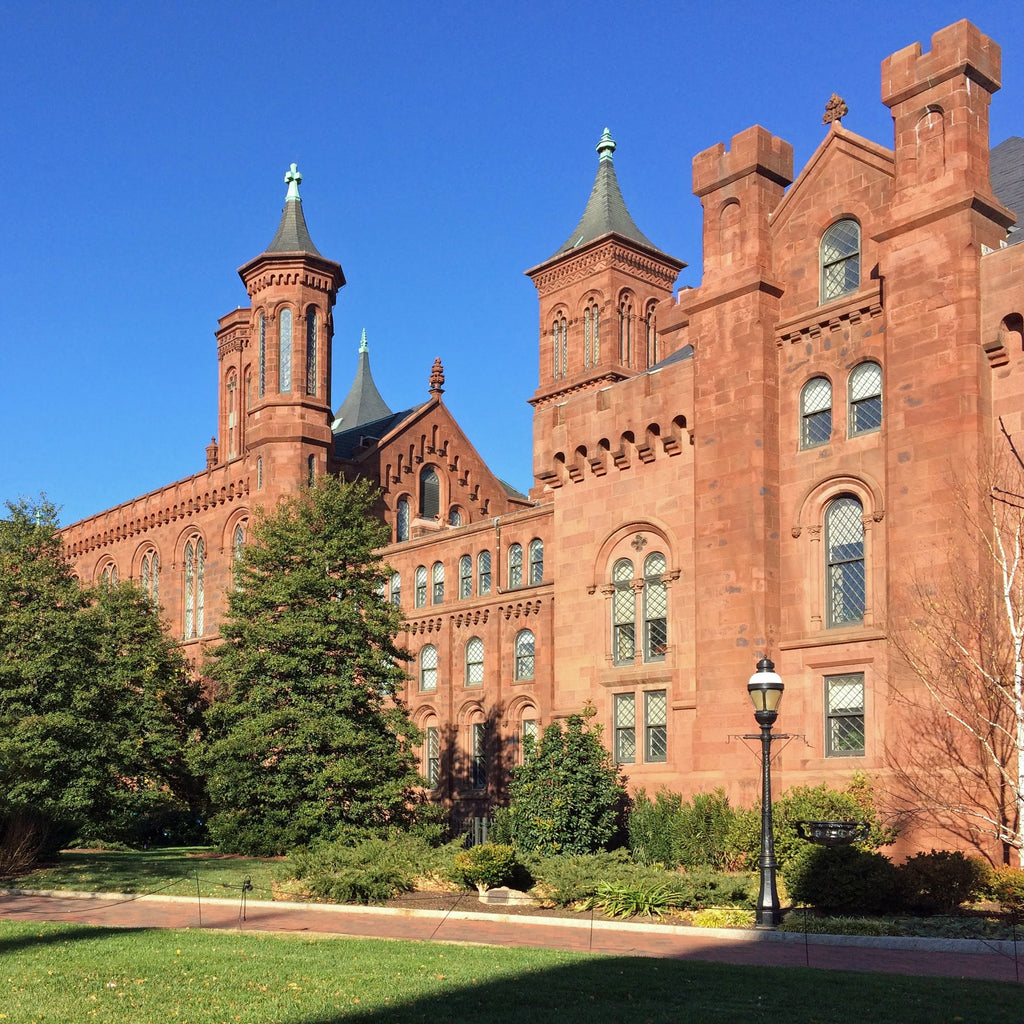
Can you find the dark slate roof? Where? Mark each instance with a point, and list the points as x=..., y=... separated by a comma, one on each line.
x=606, y=209
x=686, y=352
x=1007, y=173
x=347, y=441
x=511, y=491
x=363, y=403
x=292, y=233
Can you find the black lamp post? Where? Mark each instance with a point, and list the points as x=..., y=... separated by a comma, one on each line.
x=765, y=689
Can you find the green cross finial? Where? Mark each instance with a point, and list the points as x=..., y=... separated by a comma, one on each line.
x=606, y=146
x=363, y=347
x=292, y=177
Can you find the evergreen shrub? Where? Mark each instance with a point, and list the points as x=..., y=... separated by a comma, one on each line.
x=844, y=880
x=1006, y=884
x=676, y=833
x=938, y=882
x=486, y=866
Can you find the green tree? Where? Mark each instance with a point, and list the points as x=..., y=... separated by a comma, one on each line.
x=307, y=738
x=92, y=694
x=566, y=796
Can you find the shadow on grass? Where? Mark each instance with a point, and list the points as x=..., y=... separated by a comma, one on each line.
x=62, y=933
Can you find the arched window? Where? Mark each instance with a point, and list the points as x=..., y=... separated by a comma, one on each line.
x=651, y=325
x=474, y=661
x=402, y=519
x=816, y=413
x=263, y=354
x=465, y=576
x=428, y=668
x=846, y=595
x=623, y=613
x=108, y=577
x=151, y=576
x=840, y=260
x=483, y=573
x=524, y=655
x=865, y=398
x=591, y=345
x=238, y=540
x=560, y=345
x=655, y=608
x=311, y=470
x=528, y=734
x=536, y=560
x=478, y=755
x=432, y=753
x=437, y=583
x=626, y=330
x=430, y=494
x=232, y=387
x=421, y=586
x=284, y=351
x=396, y=589
x=515, y=566
x=311, y=351
x=455, y=516
x=195, y=572
x=625, y=728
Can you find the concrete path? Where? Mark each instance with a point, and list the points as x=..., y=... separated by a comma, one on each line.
x=1001, y=961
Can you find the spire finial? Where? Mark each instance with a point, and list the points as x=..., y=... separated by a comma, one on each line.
x=363, y=347
x=835, y=110
x=292, y=177
x=606, y=146
x=437, y=378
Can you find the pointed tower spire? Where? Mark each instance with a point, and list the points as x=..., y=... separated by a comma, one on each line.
x=292, y=233
x=363, y=403
x=606, y=211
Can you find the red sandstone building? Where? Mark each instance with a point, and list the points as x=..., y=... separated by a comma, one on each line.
x=735, y=467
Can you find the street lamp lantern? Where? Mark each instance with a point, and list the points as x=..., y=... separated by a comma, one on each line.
x=765, y=689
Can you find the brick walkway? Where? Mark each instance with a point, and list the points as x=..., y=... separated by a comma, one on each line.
x=947, y=957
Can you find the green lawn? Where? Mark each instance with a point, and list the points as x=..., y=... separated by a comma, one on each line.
x=170, y=870
x=73, y=973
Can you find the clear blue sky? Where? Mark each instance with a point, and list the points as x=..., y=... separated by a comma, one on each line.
x=445, y=147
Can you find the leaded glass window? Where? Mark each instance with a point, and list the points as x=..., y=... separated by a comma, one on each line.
x=623, y=613
x=595, y=324
x=455, y=516
x=259, y=474
x=311, y=352
x=626, y=331
x=625, y=728
x=428, y=668
x=478, y=763
x=284, y=351
x=430, y=494
x=865, y=398
x=195, y=572
x=483, y=573
x=560, y=345
x=844, y=715
x=515, y=566
x=524, y=655
x=109, y=575
x=844, y=545
x=437, y=583
x=402, y=520
x=432, y=750
x=528, y=738
x=536, y=560
x=651, y=323
x=465, y=577
x=586, y=338
x=396, y=589
x=238, y=541
x=151, y=576
x=421, y=586
x=200, y=585
x=263, y=355
x=655, y=725
x=816, y=412
x=311, y=470
x=840, y=260
x=474, y=661
x=655, y=608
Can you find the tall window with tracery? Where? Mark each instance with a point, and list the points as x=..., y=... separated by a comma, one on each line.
x=478, y=755
x=151, y=576
x=284, y=351
x=591, y=337
x=396, y=589
x=626, y=330
x=536, y=560
x=311, y=351
x=402, y=519
x=846, y=596
x=655, y=608
x=560, y=345
x=238, y=541
x=840, y=260
x=623, y=613
x=515, y=566
x=483, y=573
x=259, y=474
x=195, y=573
x=432, y=756
x=651, y=327
x=262, y=355
x=231, y=389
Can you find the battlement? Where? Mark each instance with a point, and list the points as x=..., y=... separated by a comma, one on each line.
x=960, y=49
x=753, y=151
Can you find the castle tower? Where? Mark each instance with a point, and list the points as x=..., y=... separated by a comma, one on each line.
x=283, y=373
x=598, y=298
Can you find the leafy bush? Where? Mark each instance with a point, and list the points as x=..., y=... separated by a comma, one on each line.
x=1007, y=885
x=632, y=899
x=843, y=880
x=570, y=878
x=675, y=833
x=567, y=796
x=370, y=871
x=485, y=866
x=938, y=882
x=816, y=924
x=722, y=917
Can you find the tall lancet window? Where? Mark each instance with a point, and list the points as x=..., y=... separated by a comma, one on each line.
x=232, y=415
x=284, y=352
x=263, y=355
x=195, y=573
x=311, y=354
